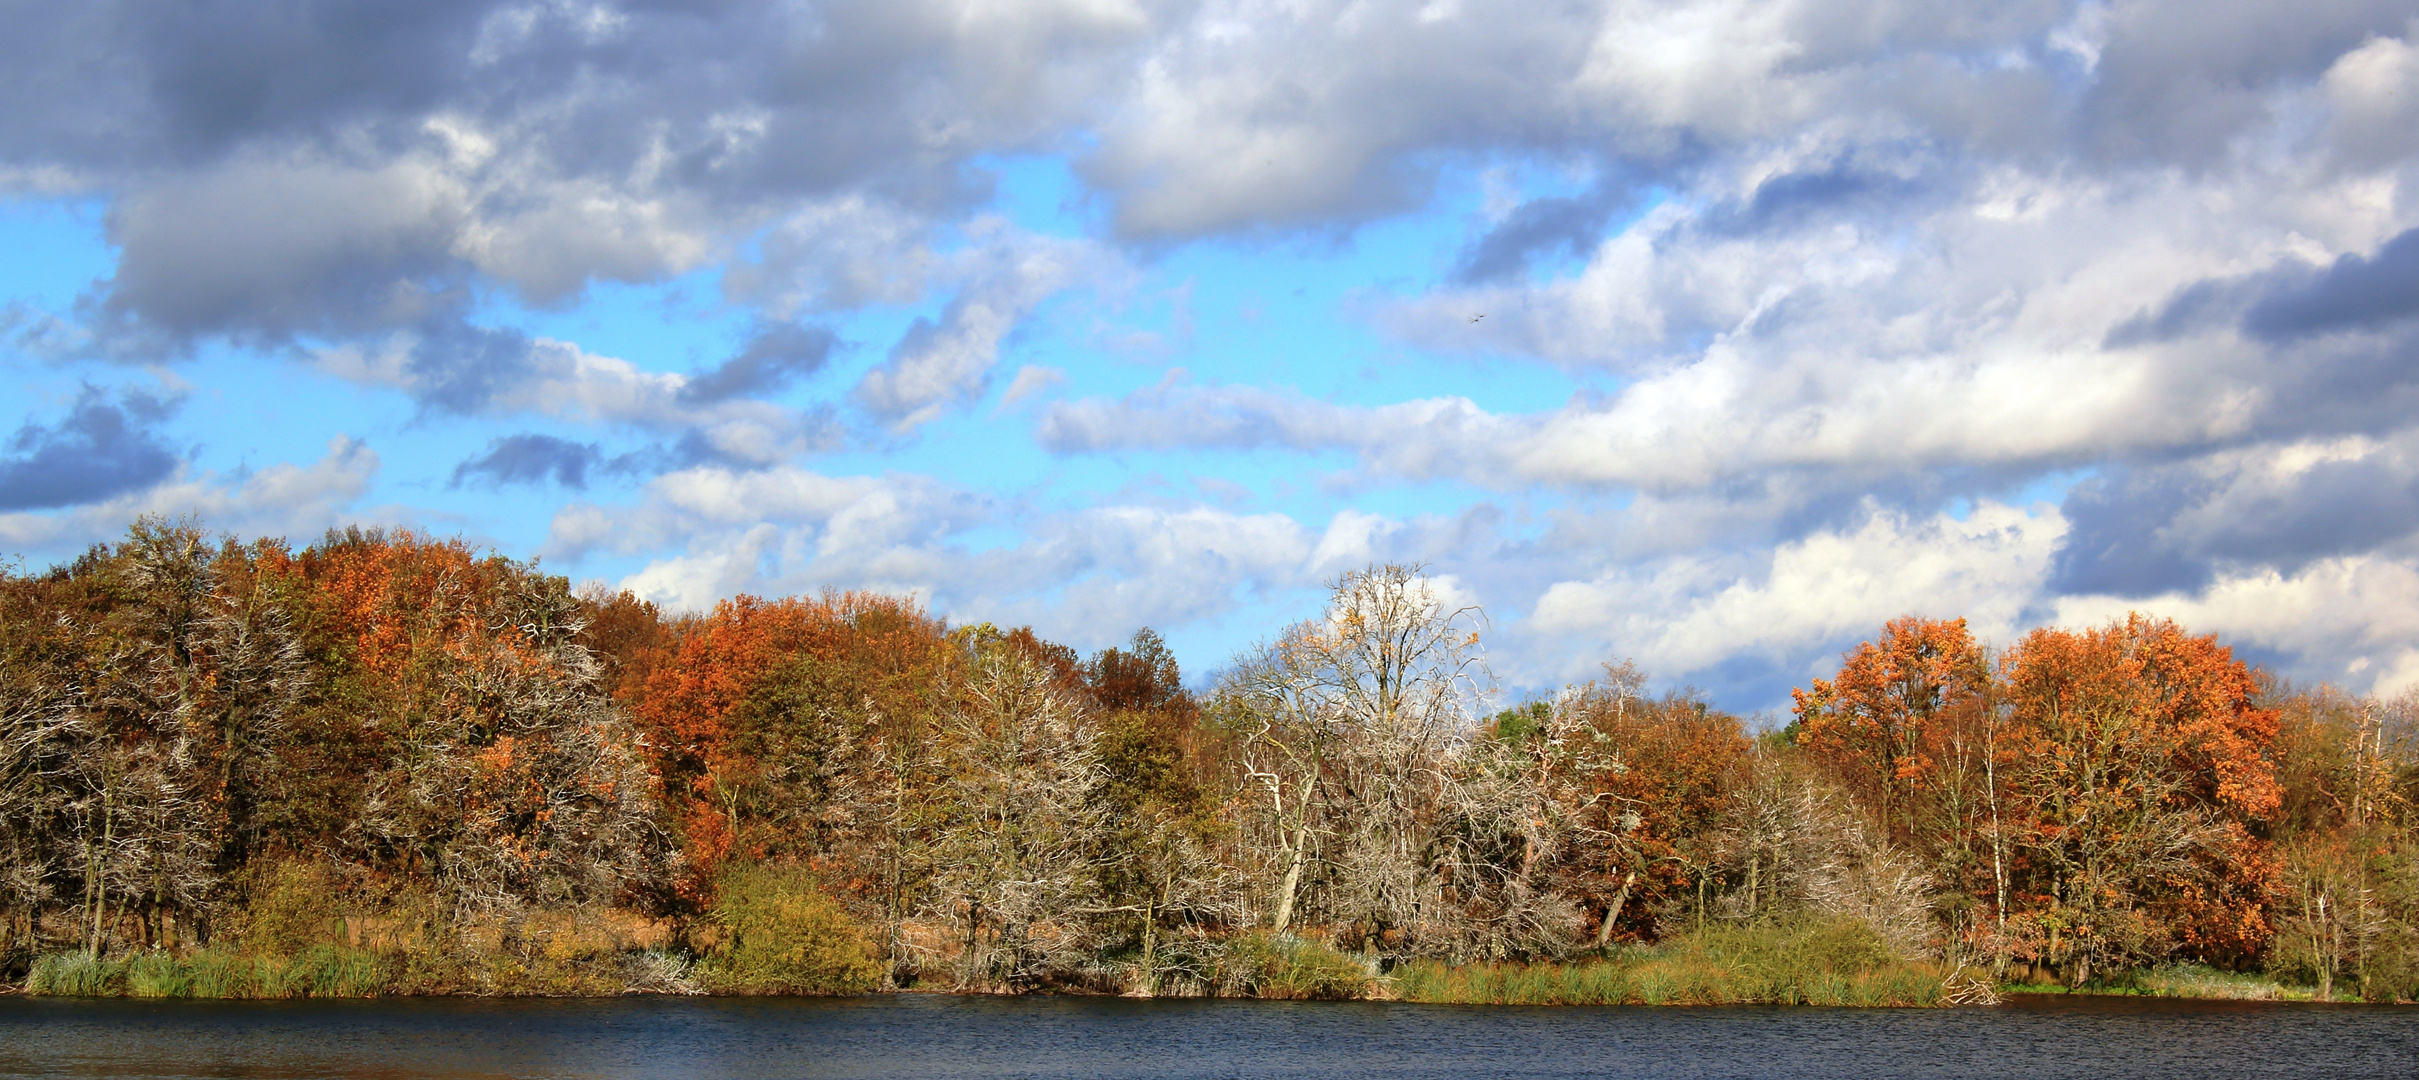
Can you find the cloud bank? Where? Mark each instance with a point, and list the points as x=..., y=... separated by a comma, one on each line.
x=2019, y=311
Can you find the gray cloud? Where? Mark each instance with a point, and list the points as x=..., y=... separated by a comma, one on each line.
x=2354, y=293
x=463, y=369
x=1826, y=192
x=2179, y=85
x=281, y=169
x=1570, y=224
x=775, y=356
x=530, y=459
x=98, y=451
x=2152, y=530
x=2284, y=305
x=2114, y=544
x=267, y=249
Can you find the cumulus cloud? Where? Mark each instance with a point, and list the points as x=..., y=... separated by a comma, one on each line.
x=1838, y=278
x=1784, y=614
x=949, y=360
x=2347, y=620
x=1087, y=575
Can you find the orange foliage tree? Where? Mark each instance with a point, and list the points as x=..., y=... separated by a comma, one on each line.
x=1883, y=723
x=2140, y=782
x=786, y=727
x=1645, y=782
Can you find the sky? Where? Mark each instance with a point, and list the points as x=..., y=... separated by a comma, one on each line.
x=1709, y=335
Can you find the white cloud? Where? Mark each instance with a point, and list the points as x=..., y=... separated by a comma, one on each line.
x=1087, y=575
x=2353, y=620
x=1031, y=379
x=1007, y=274
x=1683, y=615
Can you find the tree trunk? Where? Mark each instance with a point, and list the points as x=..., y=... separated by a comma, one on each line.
x=1293, y=873
x=1604, y=930
x=95, y=880
x=1149, y=985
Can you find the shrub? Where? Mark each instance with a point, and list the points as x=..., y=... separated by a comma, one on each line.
x=781, y=934
x=1289, y=968
x=291, y=907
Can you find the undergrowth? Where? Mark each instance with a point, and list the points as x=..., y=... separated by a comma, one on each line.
x=1800, y=961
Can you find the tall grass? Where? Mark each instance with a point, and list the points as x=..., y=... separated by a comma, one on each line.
x=1792, y=962
x=2201, y=981
x=320, y=971
x=76, y=975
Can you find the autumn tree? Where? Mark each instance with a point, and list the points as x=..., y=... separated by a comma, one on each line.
x=1882, y=722
x=1158, y=861
x=1647, y=783
x=2137, y=762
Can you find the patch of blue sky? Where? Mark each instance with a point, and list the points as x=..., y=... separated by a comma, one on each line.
x=57, y=249
x=2051, y=488
x=251, y=410
x=1280, y=312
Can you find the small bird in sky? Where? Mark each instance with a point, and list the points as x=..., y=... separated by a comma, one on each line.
x=1480, y=315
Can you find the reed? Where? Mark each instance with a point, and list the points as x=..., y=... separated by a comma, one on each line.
x=75, y=975
x=320, y=971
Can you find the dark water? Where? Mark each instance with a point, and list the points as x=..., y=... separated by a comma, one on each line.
x=917, y=1036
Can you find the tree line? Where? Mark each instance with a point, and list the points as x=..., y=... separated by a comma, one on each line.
x=448, y=745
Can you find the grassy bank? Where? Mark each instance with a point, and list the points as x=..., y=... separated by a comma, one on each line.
x=338, y=971
x=328, y=971
x=771, y=935
x=1793, y=963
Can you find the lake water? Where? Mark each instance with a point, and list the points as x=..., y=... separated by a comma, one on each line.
x=932, y=1036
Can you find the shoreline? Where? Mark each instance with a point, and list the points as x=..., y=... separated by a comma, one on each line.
x=1640, y=982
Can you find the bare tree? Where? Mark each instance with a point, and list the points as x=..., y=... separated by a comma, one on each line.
x=1353, y=714
x=1015, y=824
x=1500, y=832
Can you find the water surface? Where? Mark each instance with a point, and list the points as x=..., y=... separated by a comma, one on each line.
x=915, y=1036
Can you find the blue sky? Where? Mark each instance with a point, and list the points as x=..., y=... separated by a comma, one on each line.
x=1707, y=334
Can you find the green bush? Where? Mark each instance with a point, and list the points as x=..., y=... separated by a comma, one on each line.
x=781, y=934
x=1288, y=968
x=290, y=907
